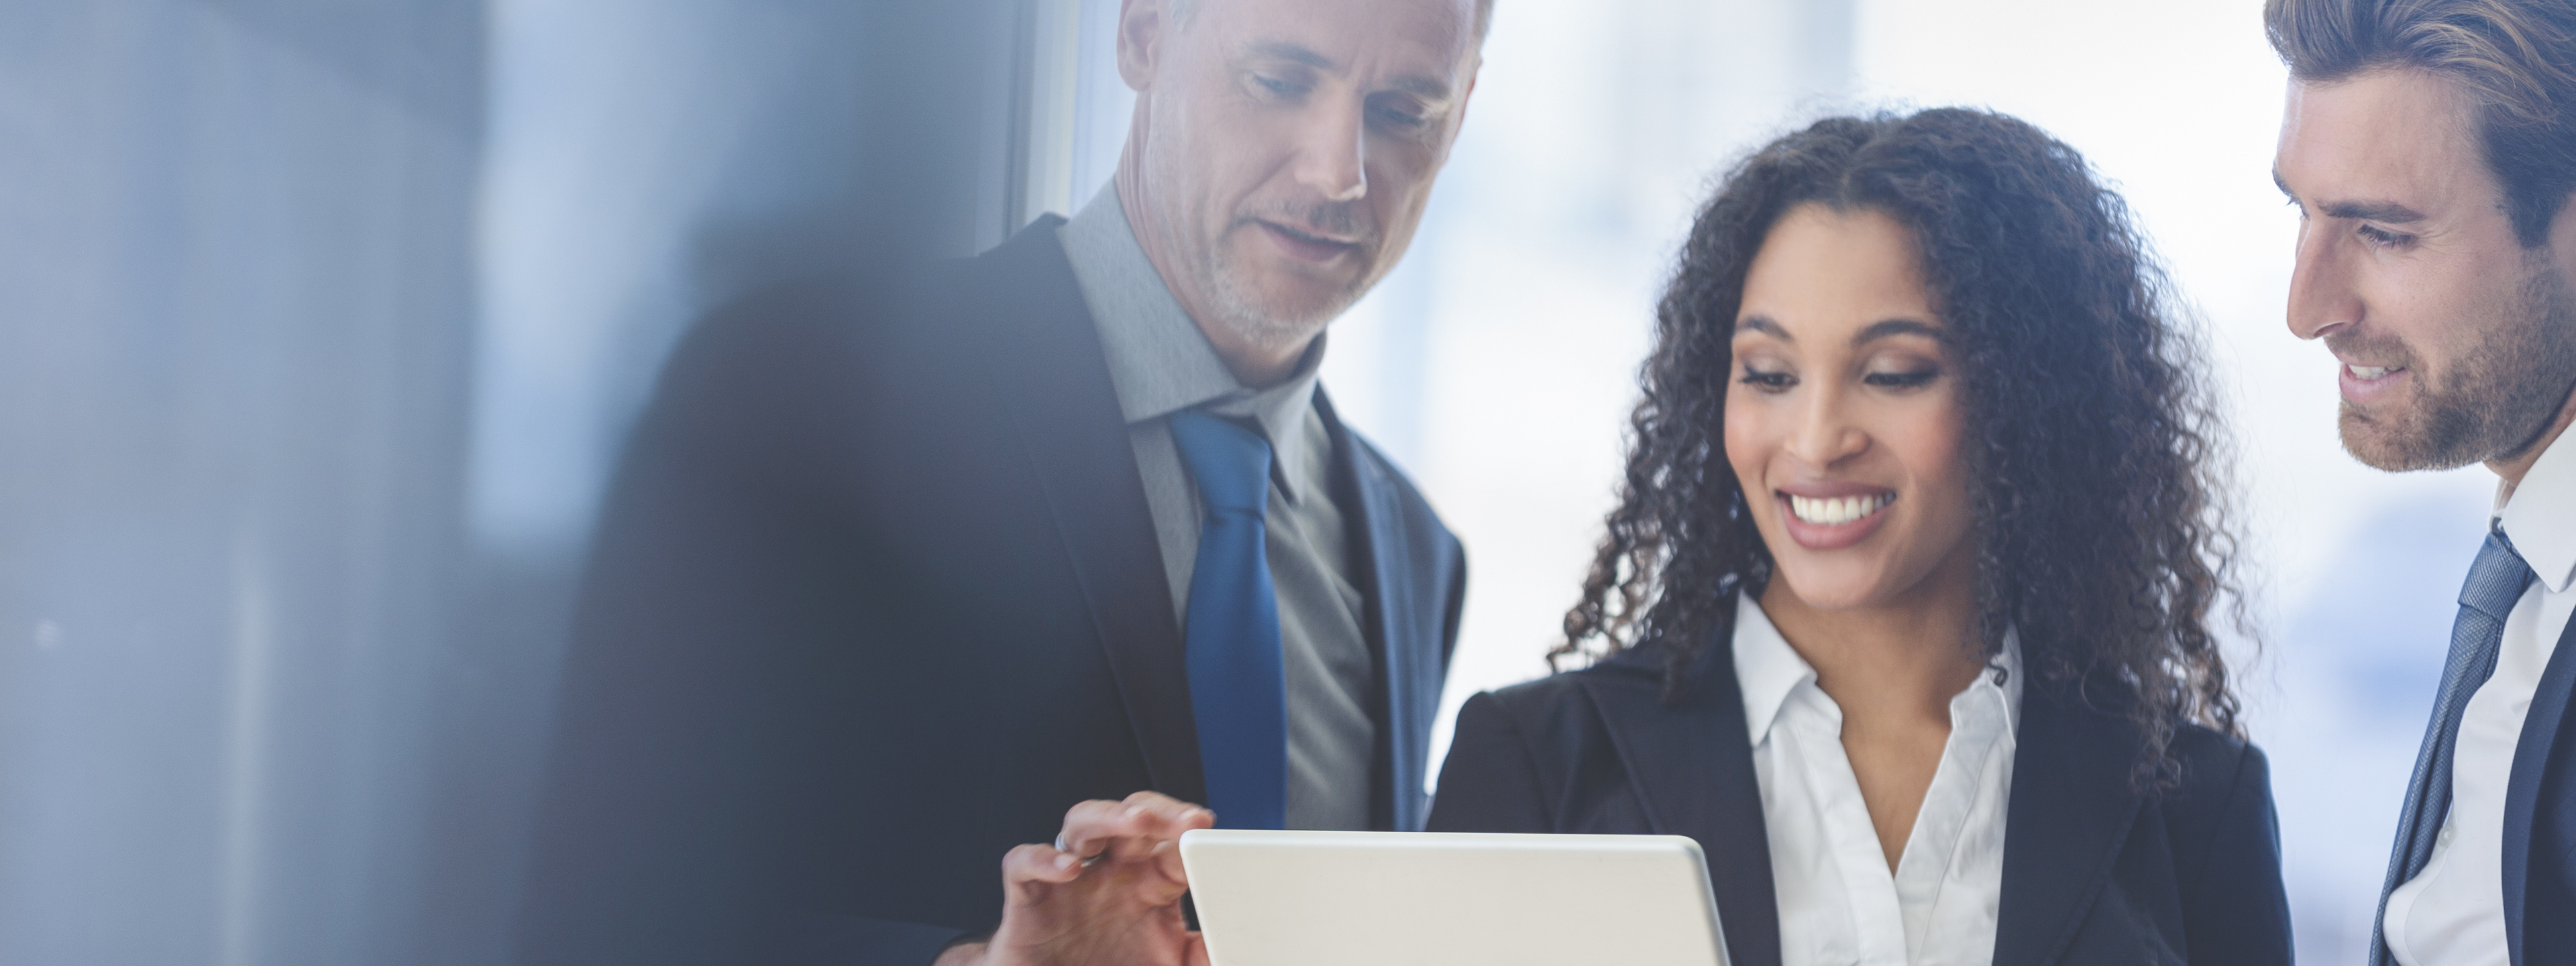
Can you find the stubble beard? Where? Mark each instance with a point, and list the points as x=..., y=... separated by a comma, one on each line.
x=1241, y=307
x=2494, y=402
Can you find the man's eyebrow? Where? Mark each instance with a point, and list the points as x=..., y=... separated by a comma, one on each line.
x=1293, y=52
x=1419, y=85
x=1896, y=327
x=2387, y=211
x=1424, y=87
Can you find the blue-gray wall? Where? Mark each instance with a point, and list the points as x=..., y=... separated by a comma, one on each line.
x=235, y=309
x=320, y=327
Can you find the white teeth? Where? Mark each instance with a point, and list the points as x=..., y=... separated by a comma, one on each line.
x=1837, y=510
x=2370, y=372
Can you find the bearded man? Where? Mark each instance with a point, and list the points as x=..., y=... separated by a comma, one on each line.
x=2430, y=146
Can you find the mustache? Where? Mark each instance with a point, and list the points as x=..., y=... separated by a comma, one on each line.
x=1338, y=219
x=2383, y=349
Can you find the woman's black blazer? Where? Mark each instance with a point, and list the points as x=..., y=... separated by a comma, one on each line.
x=2094, y=872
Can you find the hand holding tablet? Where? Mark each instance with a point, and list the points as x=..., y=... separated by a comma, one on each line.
x=1108, y=891
x=1426, y=899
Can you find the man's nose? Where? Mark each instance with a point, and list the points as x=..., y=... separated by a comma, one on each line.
x=1332, y=156
x=1825, y=434
x=2322, y=297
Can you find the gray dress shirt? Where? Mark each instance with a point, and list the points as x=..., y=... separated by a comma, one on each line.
x=1161, y=364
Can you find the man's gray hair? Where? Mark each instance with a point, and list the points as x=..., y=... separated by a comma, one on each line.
x=1484, y=15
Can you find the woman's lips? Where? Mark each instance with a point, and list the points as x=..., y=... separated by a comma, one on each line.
x=2363, y=385
x=1832, y=523
x=1305, y=247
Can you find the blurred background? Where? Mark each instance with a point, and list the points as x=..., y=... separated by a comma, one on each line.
x=321, y=325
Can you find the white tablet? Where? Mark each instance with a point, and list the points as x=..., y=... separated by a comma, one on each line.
x=1427, y=899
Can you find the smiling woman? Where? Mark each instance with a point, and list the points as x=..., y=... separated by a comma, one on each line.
x=1920, y=500
x=2087, y=432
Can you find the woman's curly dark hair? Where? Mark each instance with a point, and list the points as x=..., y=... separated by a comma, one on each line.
x=2091, y=439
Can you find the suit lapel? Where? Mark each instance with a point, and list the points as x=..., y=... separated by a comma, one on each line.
x=2070, y=813
x=1048, y=362
x=1692, y=765
x=1411, y=668
x=2536, y=754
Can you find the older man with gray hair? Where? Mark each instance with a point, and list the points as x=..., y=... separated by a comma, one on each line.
x=1062, y=545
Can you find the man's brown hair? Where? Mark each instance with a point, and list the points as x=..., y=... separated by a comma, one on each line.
x=2515, y=58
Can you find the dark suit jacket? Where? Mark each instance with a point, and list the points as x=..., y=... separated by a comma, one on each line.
x=877, y=597
x=2093, y=872
x=2540, y=821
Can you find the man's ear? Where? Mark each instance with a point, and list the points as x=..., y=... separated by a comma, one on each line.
x=1143, y=25
x=1469, y=95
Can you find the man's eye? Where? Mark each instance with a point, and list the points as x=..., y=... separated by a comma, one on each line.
x=1768, y=381
x=2382, y=238
x=1400, y=120
x=1398, y=112
x=1278, y=88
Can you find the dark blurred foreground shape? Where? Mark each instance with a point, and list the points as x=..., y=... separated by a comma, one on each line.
x=273, y=689
x=876, y=599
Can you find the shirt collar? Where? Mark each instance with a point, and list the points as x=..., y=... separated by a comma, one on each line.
x=1159, y=361
x=1768, y=670
x=2540, y=514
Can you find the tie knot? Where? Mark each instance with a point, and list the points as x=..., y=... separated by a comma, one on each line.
x=1230, y=463
x=2497, y=580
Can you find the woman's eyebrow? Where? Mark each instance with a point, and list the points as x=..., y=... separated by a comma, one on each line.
x=1764, y=325
x=1896, y=327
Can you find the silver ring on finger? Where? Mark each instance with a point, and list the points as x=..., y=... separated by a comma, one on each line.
x=1087, y=861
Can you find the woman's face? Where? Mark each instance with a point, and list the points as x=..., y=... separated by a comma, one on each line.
x=1843, y=414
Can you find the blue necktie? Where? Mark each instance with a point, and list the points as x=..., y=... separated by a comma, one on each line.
x=2495, y=582
x=1237, y=691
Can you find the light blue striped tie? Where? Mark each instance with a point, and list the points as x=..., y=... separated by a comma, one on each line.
x=1238, y=691
x=2495, y=582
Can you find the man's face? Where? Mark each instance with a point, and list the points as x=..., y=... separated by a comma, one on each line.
x=1289, y=147
x=2457, y=344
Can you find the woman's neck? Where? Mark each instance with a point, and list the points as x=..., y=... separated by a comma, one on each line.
x=1900, y=660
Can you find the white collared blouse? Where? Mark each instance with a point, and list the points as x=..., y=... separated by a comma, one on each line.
x=1839, y=903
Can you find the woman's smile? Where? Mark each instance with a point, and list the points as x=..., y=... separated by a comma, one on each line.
x=1832, y=522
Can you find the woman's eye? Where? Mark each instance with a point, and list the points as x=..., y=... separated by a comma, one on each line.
x=1902, y=380
x=1769, y=381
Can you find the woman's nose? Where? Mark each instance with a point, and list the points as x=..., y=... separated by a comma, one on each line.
x=1824, y=436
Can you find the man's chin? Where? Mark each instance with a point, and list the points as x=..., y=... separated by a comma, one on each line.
x=1288, y=314
x=2391, y=445
x=2367, y=444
